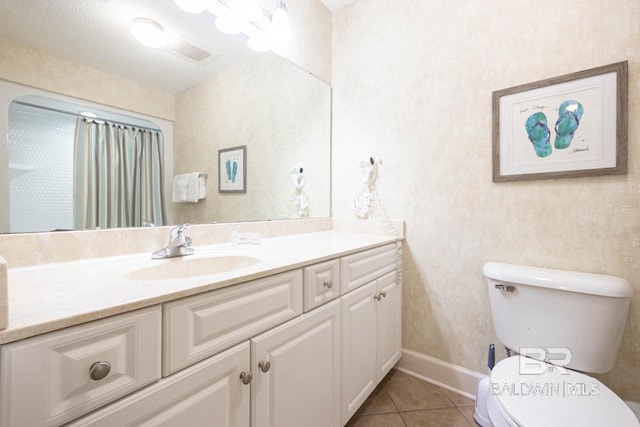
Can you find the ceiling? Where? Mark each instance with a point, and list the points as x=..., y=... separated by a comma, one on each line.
x=334, y=5
x=96, y=33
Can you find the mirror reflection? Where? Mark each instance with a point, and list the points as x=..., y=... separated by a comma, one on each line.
x=280, y=112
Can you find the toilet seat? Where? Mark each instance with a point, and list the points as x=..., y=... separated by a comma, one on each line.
x=521, y=396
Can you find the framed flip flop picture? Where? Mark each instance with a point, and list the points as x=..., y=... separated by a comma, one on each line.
x=232, y=170
x=567, y=126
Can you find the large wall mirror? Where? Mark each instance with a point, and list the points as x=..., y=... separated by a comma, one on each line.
x=232, y=98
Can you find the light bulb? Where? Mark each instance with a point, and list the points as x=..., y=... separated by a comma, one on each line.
x=251, y=10
x=148, y=32
x=259, y=44
x=191, y=6
x=227, y=25
x=280, y=29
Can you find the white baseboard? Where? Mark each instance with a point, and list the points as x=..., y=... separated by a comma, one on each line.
x=438, y=372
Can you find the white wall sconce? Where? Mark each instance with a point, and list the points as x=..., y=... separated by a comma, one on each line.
x=148, y=32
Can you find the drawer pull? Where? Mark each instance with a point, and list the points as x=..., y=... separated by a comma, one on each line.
x=264, y=366
x=327, y=284
x=99, y=370
x=246, y=377
x=379, y=296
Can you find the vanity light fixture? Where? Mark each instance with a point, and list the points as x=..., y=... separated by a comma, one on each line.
x=251, y=10
x=148, y=32
x=191, y=6
x=226, y=25
x=247, y=17
x=279, y=28
x=259, y=44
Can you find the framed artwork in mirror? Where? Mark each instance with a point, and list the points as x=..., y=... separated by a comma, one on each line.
x=566, y=126
x=232, y=170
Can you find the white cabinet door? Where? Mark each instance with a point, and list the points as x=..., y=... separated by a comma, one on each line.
x=389, y=323
x=301, y=384
x=371, y=338
x=359, y=371
x=210, y=393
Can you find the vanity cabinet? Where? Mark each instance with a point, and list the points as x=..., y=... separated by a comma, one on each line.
x=299, y=348
x=371, y=338
x=50, y=379
x=297, y=372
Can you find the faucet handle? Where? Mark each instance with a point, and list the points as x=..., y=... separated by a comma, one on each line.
x=178, y=232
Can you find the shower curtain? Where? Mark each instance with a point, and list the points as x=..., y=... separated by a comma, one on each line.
x=118, y=176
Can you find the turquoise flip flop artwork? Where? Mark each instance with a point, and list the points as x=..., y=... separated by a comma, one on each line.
x=539, y=134
x=570, y=112
x=232, y=170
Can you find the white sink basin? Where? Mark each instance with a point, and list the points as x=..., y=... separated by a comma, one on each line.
x=186, y=267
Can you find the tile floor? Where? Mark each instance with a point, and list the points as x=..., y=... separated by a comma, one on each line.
x=405, y=401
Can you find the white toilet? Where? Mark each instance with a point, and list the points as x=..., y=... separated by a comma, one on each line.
x=574, y=322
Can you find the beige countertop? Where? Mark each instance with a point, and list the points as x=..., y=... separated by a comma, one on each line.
x=48, y=297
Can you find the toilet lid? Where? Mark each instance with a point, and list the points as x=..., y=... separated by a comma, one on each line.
x=535, y=393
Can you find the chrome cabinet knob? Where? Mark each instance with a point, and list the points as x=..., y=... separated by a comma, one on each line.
x=264, y=366
x=383, y=294
x=327, y=284
x=246, y=377
x=377, y=297
x=99, y=370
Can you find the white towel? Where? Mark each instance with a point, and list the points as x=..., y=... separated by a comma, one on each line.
x=186, y=188
x=202, y=186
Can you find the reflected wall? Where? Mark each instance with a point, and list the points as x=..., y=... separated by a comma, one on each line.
x=281, y=113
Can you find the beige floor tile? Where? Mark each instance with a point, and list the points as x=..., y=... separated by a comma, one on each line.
x=457, y=399
x=444, y=417
x=468, y=412
x=379, y=420
x=409, y=393
x=378, y=403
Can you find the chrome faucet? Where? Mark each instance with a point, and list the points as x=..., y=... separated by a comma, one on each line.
x=179, y=244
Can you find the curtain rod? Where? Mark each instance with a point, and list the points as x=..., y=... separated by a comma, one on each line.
x=56, y=110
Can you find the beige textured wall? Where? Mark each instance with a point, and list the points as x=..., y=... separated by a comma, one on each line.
x=31, y=67
x=281, y=113
x=412, y=84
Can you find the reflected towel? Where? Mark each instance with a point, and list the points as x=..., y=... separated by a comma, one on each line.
x=202, y=186
x=186, y=188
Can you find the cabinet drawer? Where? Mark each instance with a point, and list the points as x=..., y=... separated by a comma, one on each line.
x=200, y=326
x=209, y=393
x=363, y=267
x=46, y=380
x=321, y=283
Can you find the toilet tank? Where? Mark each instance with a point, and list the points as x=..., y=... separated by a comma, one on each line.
x=547, y=309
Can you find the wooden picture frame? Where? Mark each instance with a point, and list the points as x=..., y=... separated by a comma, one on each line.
x=232, y=170
x=568, y=126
